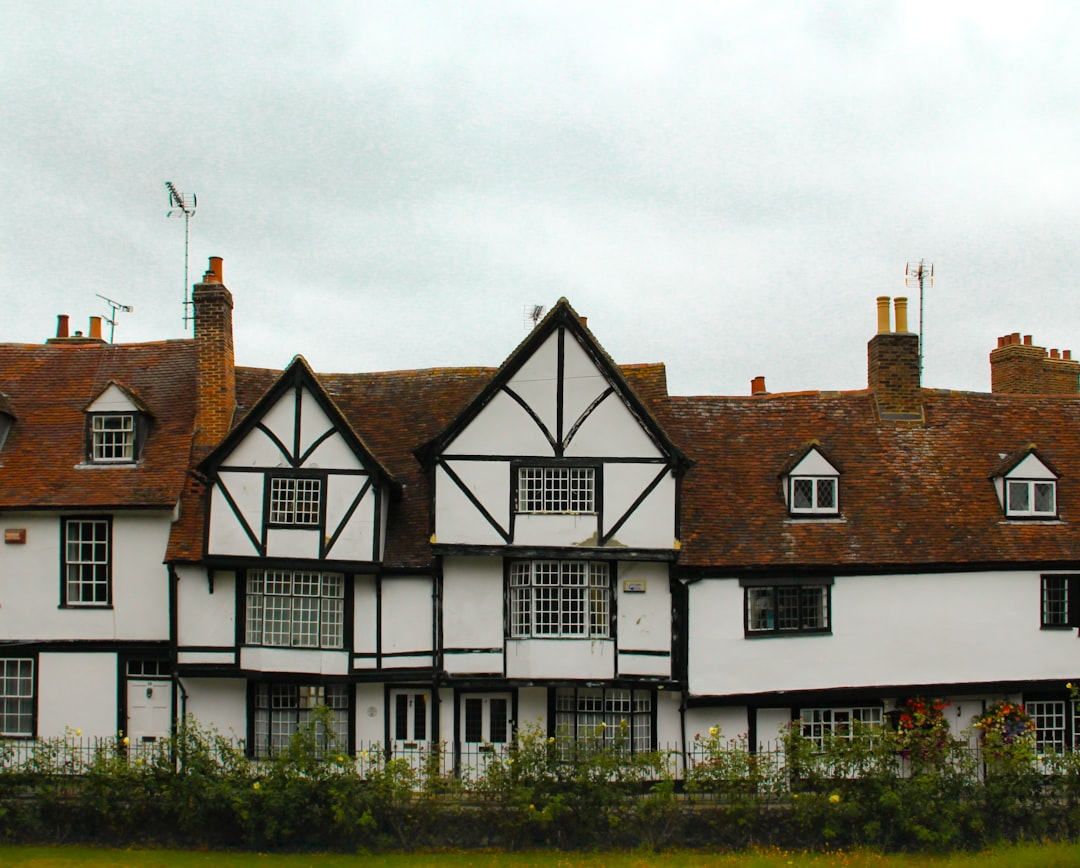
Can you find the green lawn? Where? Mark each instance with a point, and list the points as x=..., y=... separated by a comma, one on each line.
x=1048, y=856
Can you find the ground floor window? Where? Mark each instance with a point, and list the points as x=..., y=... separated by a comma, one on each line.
x=605, y=717
x=821, y=723
x=281, y=709
x=17, y=698
x=1057, y=725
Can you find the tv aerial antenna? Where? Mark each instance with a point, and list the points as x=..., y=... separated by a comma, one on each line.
x=116, y=308
x=919, y=274
x=183, y=205
x=532, y=315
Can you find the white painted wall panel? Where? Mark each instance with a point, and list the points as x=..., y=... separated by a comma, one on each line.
x=289, y=542
x=555, y=530
x=258, y=450
x=474, y=664
x=206, y=658
x=313, y=421
x=652, y=523
x=364, y=614
x=219, y=703
x=1031, y=468
x=772, y=723
x=501, y=428
x=77, y=691
x=733, y=722
x=473, y=605
x=940, y=628
x=112, y=400
x=813, y=464
x=532, y=707
x=406, y=615
x=489, y=482
x=560, y=658
x=227, y=534
x=611, y=429
x=30, y=577
x=583, y=382
x=310, y=660
x=644, y=665
x=537, y=384
x=280, y=419
x=370, y=715
x=357, y=540
x=457, y=520
x=334, y=454
x=205, y=619
x=644, y=620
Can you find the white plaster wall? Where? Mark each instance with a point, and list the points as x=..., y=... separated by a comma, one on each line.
x=537, y=384
x=560, y=658
x=406, y=615
x=281, y=419
x=218, y=703
x=77, y=691
x=473, y=604
x=370, y=714
x=583, y=383
x=112, y=400
x=555, y=530
x=652, y=523
x=357, y=540
x=644, y=620
x=205, y=619
x=456, y=519
x=733, y=723
x=668, y=719
x=611, y=429
x=313, y=421
x=910, y=629
x=227, y=535
x=288, y=542
x=257, y=450
x=334, y=453
x=532, y=708
x=772, y=723
x=306, y=660
x=501, y=428
x=30, y=579
x=365, y=619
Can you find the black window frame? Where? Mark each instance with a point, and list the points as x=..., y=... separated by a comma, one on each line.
x=65, y=522
x=819, y=585
x=1067, y=588
x=139, y=427
x=568, y=465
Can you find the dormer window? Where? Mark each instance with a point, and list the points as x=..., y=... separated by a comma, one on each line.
x=812, y=485
x=1026, y=485
x=112, y=437
x=115, y=427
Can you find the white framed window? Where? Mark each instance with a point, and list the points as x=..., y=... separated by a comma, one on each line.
x=287, y=609
x=556, y=489
x=295, y=500
x=112, y=437
x=787, y=608
x=16, y=698
x=601, y=717
x=813, y=495
x=86, y=561
x=1035, y=498
x=281, y=709
x=1057, y=725
x=817, y=723
x=560, y=599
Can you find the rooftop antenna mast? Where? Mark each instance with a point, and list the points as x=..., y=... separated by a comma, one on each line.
x=919, y=274
x=532, y=315
x=179, y=205
x=116, y=308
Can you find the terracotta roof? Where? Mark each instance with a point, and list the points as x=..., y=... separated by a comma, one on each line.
x=909, y=494
x=48, y=387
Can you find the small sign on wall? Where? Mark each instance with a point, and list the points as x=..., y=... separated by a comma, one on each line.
x=633, y=586
x=15, y=535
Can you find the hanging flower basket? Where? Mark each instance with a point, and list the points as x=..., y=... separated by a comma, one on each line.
x=1006, y=722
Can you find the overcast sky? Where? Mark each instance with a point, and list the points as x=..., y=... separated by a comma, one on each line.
x=725, y=187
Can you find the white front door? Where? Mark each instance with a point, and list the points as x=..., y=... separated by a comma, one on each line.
x=149, y=709
x=410, y=720
x=485, y=729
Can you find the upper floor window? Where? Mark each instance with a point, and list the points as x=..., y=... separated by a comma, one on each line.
x=112, y=437
x=786, y=607
x=16, y=698
x=295, y=500
x=1030, y=497
x=295, y=609
x=812, y=483
x=556, y=489
x=86, y=561
x=813, y=494
x=560, y=598
x=1060, y=595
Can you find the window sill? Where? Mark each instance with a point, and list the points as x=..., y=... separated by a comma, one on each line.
x=811, y=518
x=92, y=607
x=785, y=634
x=97, y=465
x=1060, y=628
x=1032, y=519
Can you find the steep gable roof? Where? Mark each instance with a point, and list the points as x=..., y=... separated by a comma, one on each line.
x=48, y=387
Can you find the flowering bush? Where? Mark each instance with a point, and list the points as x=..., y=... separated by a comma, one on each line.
x=921, y=731
x=1006, y=722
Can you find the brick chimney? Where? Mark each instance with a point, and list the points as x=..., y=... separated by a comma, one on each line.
x=215, y=398
x=893, y=366
x=1021, y=368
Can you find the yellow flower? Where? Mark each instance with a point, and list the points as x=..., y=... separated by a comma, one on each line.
x=78, y=732
x=834, y=799
x=714, y=731
x=341, y=760
x=1069, y=685
x=551, y=740
x=255, y=785
x=532, y=807
x=363, y=754
x=127, y=740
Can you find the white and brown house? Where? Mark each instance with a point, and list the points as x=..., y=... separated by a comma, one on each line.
x=444, y=555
